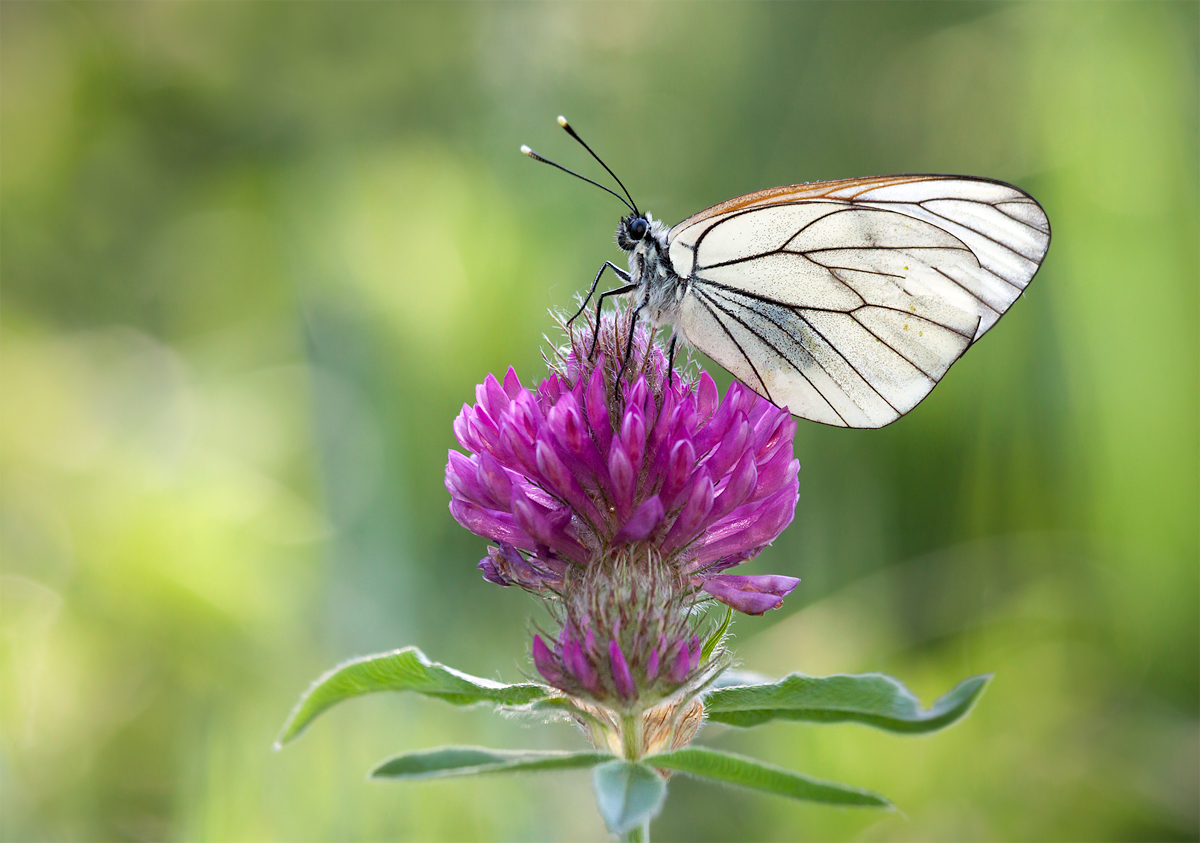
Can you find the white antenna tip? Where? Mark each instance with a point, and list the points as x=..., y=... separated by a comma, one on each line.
x=562, y=121
x=526, y=150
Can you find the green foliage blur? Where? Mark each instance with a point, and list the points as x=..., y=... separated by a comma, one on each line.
x=256, y=256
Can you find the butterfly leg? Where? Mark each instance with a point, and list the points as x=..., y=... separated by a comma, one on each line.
x=620, y=291
x=622, y=274
x=671, y=361
x=633, y=317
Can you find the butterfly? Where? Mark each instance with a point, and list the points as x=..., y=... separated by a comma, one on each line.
x=843, y=301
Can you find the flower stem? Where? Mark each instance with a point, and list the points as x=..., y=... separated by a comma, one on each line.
x=631, y=735
x=640, y=834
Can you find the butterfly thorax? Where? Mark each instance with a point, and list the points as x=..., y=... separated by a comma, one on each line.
x=659, y=289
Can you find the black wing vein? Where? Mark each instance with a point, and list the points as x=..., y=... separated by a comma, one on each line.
x=999, y=206
x=1004, y=246
x=715, y=302
x=843, y=206
x=738, y=345
x=700, y=279
x=833, y=347
x=897, y=351
x=982, y=303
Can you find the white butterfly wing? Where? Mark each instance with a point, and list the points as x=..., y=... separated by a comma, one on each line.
x=847, y=301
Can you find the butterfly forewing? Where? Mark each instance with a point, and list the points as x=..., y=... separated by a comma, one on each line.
x=847, y=301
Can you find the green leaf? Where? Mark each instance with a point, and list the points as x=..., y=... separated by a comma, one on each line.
x=472, y=760
x=402, y=670
x=628, y=793
x=715, y=638
x=869, y=698
x=748, y=772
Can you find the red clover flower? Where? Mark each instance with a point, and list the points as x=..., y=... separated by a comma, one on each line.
x=622, y=501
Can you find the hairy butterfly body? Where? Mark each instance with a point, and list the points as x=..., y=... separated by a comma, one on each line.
x=844, y=301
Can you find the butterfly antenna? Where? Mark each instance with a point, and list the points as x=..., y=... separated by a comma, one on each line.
x=527, y=151
x=562, y=121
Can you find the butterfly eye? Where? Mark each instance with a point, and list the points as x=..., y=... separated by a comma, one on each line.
x=638, y=228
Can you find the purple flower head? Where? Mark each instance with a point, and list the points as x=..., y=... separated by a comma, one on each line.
x=642, y=489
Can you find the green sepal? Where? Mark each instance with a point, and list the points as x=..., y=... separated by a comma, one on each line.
x=473, y=760
x=739, y=770
x=732, y=677
x=403, y=670
x=716, y=637
x=872, y=699
x=562, y=707
x=628, y=793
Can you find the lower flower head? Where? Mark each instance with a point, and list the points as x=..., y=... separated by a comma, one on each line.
x=626, y=634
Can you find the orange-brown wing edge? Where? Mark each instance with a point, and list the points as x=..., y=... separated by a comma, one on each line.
x=793, y=192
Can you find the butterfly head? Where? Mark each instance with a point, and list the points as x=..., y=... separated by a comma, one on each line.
x=640, y=228
x=633, y=229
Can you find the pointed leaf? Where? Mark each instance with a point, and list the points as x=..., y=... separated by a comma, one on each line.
x=869, y=698
x=403, y=670
x=726, y=767
x=629, y=794
x=472, y=760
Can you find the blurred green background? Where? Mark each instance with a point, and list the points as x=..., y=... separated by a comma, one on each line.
x=255, y=257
